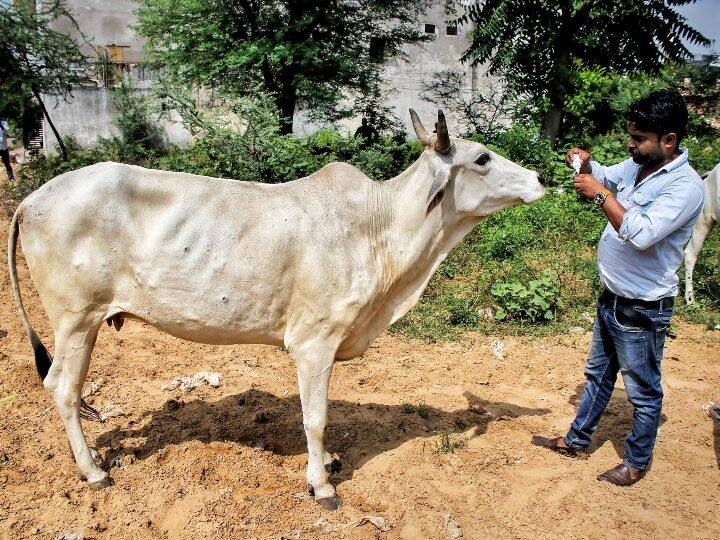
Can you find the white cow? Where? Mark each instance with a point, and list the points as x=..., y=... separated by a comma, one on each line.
x=321, y=265
x=709, y=216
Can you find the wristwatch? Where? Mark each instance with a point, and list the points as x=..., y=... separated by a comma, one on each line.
x=599, y=199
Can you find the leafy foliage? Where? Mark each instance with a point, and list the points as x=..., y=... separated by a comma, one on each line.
x=535, y=301
x=483, y=112
x=308, y=54
x=36, y=58
x=535, y=44
x=138, y=132
x=447, y=443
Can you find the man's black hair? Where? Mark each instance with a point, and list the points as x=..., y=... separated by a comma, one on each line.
x=662, y=112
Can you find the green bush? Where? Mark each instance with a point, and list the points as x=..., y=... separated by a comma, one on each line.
x=703, y=152
x=39, y=168
x=536, y=301
x=462, y=311
x=138, y=132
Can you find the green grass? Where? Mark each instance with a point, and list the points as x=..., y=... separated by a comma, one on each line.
x=556, y=238
x=447, y=443
x=422, y=410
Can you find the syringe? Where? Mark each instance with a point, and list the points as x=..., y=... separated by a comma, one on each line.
x=576, y=163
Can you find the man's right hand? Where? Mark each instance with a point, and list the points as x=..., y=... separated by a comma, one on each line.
x=584, y=159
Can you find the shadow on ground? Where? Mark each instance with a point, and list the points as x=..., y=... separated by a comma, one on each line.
x=358, y=431
x=616, y=422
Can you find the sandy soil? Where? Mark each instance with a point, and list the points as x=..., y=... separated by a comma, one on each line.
x=230, y=462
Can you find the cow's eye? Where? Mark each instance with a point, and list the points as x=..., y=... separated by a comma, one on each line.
x=483, y=159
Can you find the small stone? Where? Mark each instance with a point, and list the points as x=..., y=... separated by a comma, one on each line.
x=452, y=527
x=498, y=349
x=576, y=330
x=476, y=408
x=69, y=535
x=110, y=410
x=486, y=313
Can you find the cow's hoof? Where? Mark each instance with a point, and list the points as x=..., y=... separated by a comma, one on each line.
x=334, y=466
x=101, y=484
x=330, y=503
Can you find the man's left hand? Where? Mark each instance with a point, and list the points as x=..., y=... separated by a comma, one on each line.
x=586, y=185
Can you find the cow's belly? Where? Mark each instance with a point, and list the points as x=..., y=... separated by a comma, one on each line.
x=215, y=333
x=219, y=301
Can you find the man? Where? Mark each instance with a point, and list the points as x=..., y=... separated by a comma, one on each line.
x=651, y=201
x=368, y=133
x=4, y=150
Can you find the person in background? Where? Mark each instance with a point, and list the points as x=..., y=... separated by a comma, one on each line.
x=4, y=150
x=367, y=133
x=651, y=201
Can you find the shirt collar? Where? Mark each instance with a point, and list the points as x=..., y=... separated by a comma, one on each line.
x=678, y=161
x=674, y=164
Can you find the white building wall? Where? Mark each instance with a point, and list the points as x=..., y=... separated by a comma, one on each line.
x=103, y=23
x=89, y=113
x=443, y=53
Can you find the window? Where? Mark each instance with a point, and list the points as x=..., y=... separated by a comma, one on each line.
x=429, y=28
x=451, y=30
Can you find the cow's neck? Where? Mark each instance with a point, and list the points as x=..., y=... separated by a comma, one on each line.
x=412, y=242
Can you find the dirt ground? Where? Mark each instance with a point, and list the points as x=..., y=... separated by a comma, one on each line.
x=229, y=462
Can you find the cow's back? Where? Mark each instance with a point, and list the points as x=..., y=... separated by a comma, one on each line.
x=198, y=257
x=202, y=258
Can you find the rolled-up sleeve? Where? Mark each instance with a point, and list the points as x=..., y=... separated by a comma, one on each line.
x=646, y=224
x=608, y=176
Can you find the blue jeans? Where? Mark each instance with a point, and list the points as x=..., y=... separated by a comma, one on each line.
x=636, y=351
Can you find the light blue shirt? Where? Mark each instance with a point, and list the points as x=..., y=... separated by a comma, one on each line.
x=3, y=135
x=641, y=259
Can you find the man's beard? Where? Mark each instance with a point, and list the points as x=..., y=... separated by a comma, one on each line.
x=653, y=158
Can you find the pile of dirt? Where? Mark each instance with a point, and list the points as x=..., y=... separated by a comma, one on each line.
x=229, y=461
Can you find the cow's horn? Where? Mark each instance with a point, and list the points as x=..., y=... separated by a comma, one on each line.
x=420, y=131
x=442, y=142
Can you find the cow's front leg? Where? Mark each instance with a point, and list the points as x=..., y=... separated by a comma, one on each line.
x=314, y=368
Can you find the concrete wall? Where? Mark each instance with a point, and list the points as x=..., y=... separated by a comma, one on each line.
x=107, y=22
x=405, y=77
x=90, y=114
x=441, y=54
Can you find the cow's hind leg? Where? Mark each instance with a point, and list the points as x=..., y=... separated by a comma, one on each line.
x=702, y=228
x=73, y=345
x=314, y=366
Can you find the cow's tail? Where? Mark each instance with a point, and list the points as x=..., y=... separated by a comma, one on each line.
x=42, y=357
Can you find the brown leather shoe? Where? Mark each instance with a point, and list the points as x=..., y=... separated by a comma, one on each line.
x=553, y=444
x=620, y=476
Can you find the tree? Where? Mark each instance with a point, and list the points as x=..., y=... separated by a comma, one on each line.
x=536, y=44
x=482, y=111
x=320, y=55
x=36, y=59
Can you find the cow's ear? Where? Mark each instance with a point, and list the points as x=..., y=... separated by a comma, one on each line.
x=442, y=176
